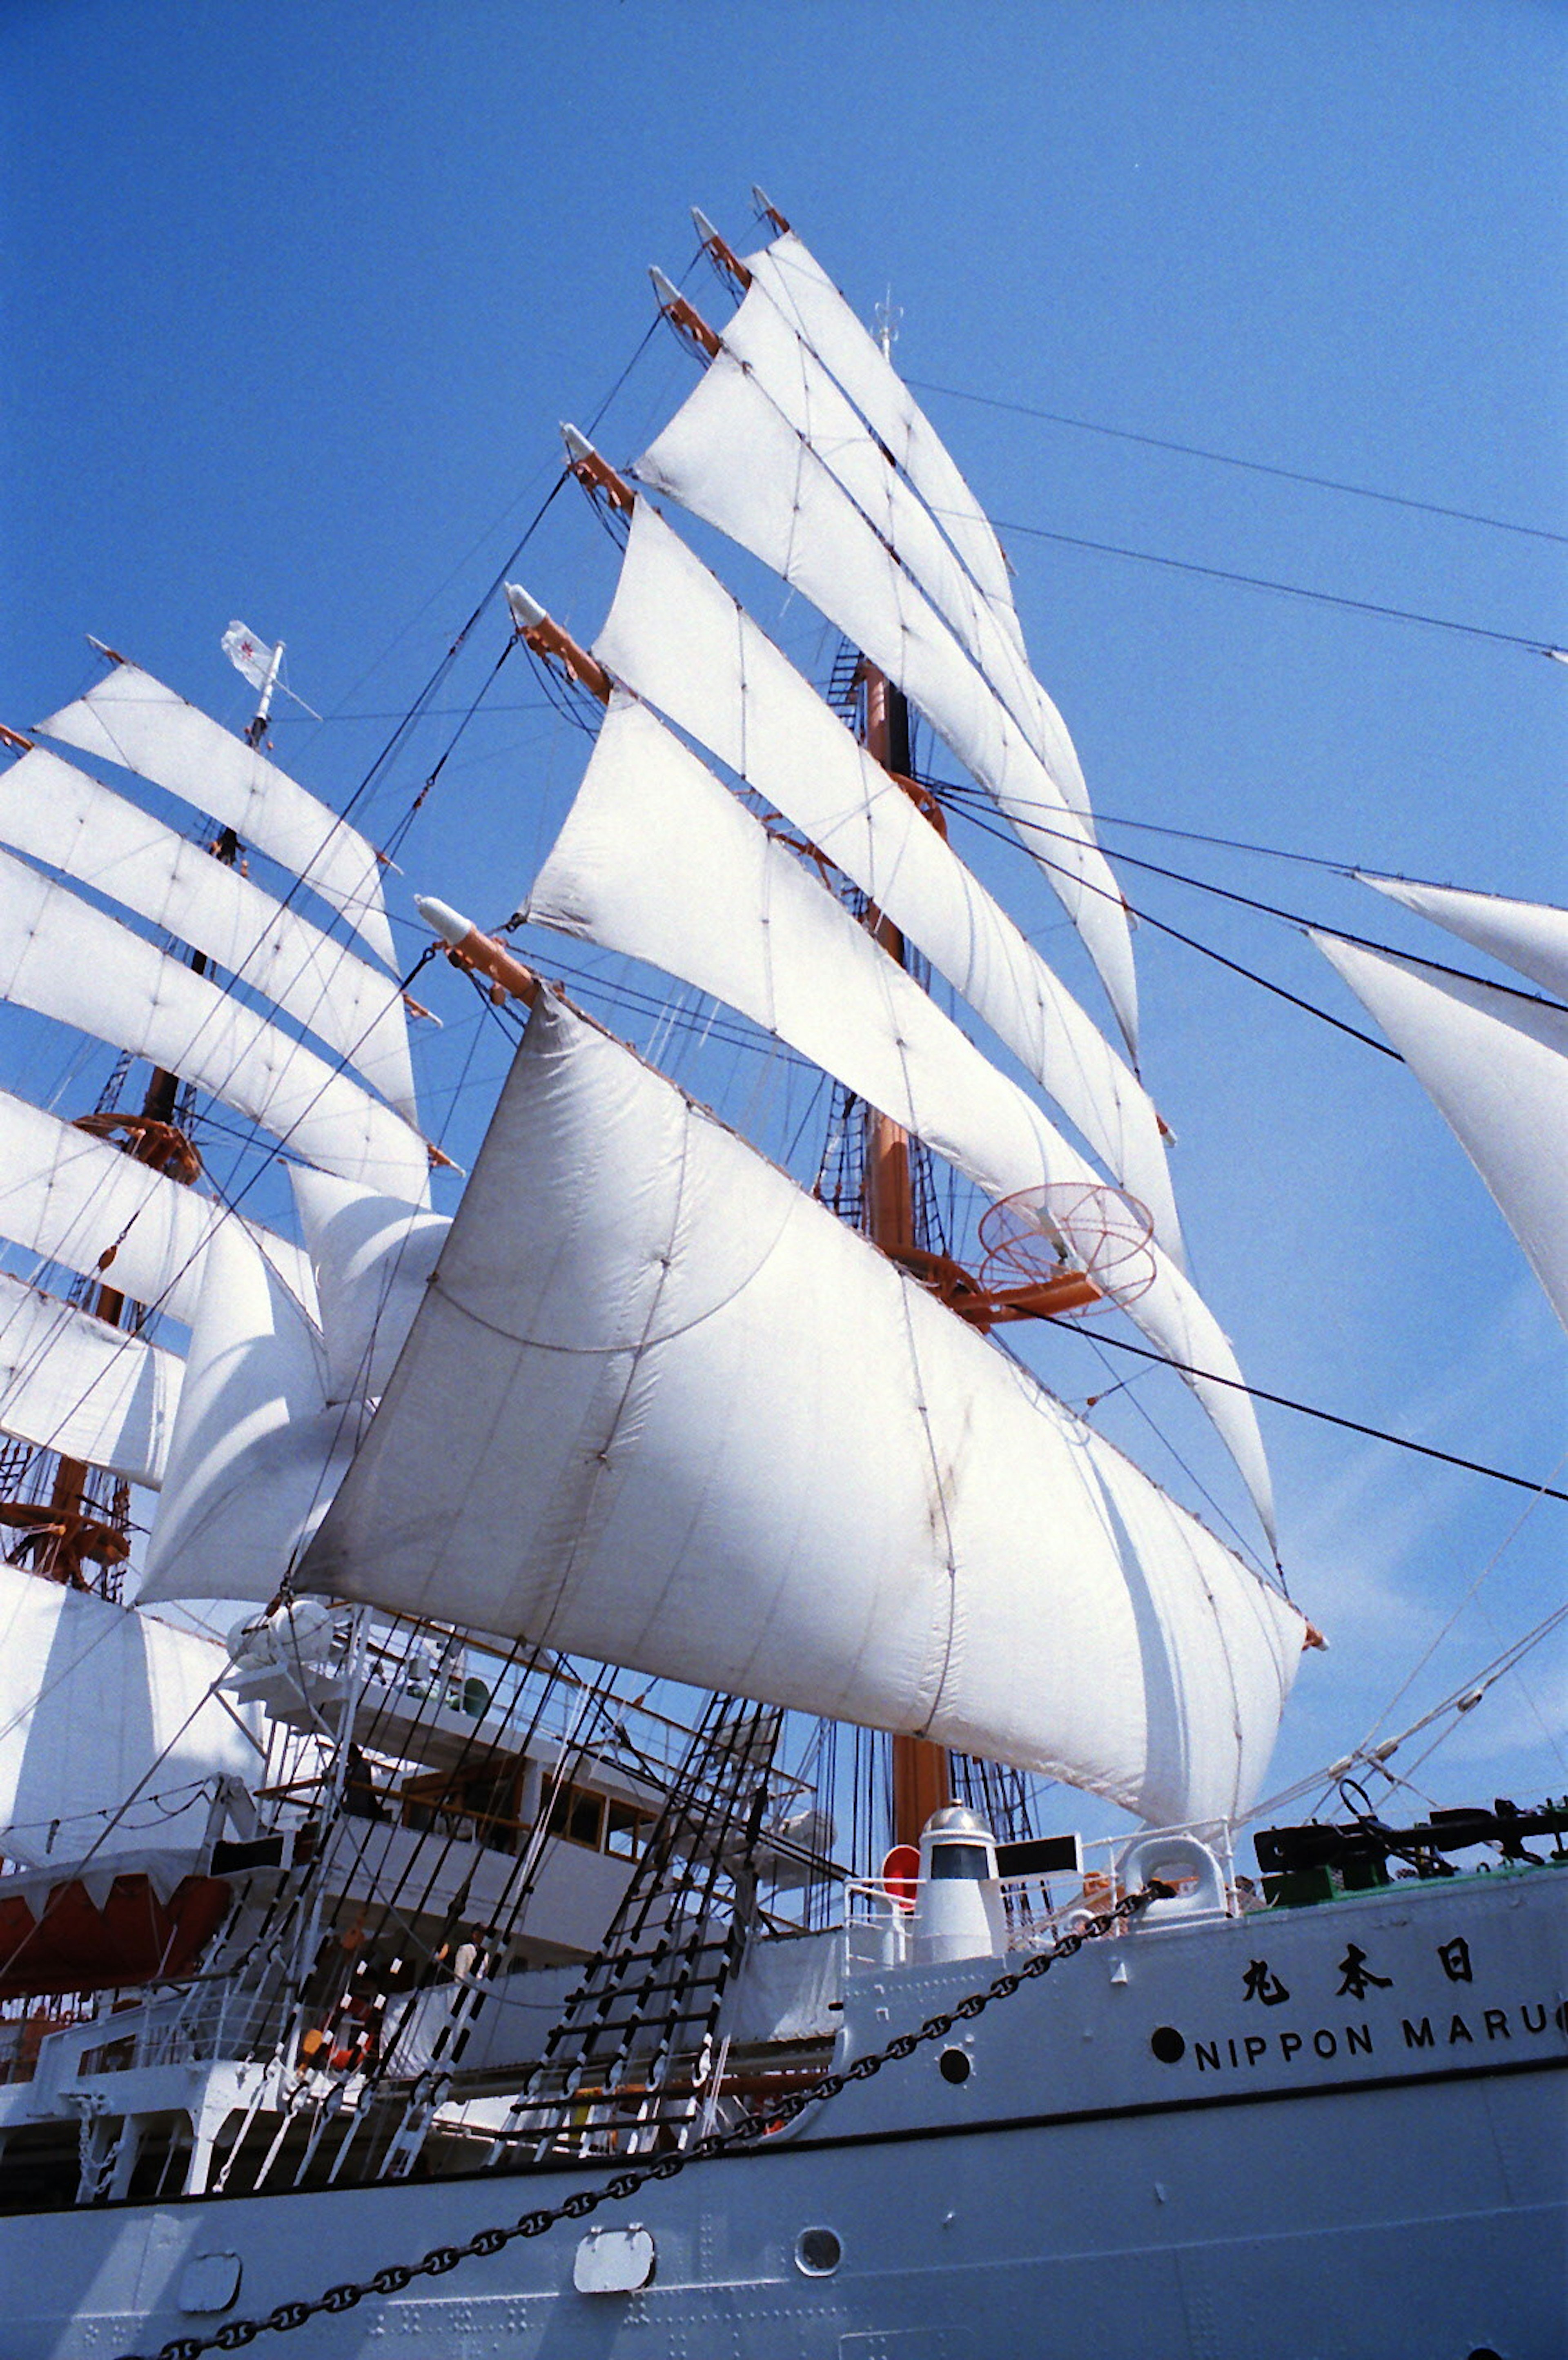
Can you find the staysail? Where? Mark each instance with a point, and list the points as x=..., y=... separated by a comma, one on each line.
x=1529, y=936
x=1495, y=1063
x=611, y=1431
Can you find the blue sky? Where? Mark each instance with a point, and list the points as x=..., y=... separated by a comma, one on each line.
x=294, y=299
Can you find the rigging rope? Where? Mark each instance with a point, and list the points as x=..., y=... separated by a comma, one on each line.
x=1228, y=459
x=1332, y=1417
x=235, y=2333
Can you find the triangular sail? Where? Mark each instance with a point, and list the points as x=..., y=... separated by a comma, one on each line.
x=677, y=638
x=659, y=860
x=1495, y=1064
x=1529, y=936
x=731, y=457
x=611, y=1431
x=132, y=719
x=57, y=815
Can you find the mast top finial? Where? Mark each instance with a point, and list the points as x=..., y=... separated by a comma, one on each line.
x=888, y=315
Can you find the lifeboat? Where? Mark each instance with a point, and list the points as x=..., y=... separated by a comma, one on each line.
x=94, y=1932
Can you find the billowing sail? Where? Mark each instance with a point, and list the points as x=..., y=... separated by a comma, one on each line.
x=731, y=457
x=1529, y=936
x=71, y=1383
x=1495, y=1063
x=132, y=719
x=76, y=1200
x=679, y=638
x=611, y=1430
x=256, y=1451
x=111, y=1733
x=659, y=860
x=372, y=1257
x=67, y=960
x=807, y=296
x=56, y=814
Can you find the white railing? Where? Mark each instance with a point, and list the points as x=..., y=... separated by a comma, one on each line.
x=1036, y=1910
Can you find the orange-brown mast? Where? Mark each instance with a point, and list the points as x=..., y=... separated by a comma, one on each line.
x=922, y=1773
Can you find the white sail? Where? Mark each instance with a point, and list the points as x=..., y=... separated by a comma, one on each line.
x=56, y=814
x=659, y=860
x=777, y=359
x=75, y=1200
x=731, y=456
x=677, y=637
x=132, y=719
x=611, y=1430
x=807, y=298
x=1529, y=936
x=67, y=960
x=372, y=1257
x=1495, y=1064
x=110, y=1732
x=72, y=1383
x=257, y=1453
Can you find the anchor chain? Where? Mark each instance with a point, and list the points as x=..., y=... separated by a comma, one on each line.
x=235, y=2334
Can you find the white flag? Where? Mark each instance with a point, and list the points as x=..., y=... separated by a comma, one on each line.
x=247, y=654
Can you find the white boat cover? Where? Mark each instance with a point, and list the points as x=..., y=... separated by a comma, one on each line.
x=807, y=298
x=372, y=1257
x=679, y=638
x=71, y=1199
x=794, y=380
x=611, y=1431
x=1529, y=936
x=732, y=458
x=71, y=1383
x=56, y=814
x=108, y=1728
x=1495, y=1063
x=67, y=960
x=659, y=860
x=132, y=719
x=257, y=1453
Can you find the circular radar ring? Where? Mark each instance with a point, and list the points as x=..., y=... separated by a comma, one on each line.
x=1041, y=1234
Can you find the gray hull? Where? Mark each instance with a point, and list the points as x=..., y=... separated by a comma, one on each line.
x=1335, y=2134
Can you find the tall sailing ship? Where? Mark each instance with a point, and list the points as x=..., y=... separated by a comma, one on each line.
x=531, y=1736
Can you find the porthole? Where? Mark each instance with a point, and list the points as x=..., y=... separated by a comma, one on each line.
x=955, y=2065
x=817, y=2253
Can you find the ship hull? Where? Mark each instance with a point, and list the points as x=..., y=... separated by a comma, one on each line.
x=1188, y=2140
